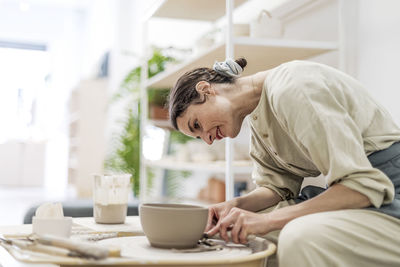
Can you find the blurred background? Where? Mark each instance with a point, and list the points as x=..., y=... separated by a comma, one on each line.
x=70, y=85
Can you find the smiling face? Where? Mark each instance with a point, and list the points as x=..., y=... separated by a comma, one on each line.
x=212, y=120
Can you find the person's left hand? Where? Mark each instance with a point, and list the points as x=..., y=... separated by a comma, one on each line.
x=241, y=223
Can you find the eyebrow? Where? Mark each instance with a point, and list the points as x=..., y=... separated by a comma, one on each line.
x=190, y=127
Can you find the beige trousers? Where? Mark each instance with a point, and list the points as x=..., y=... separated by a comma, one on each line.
x=355, y=237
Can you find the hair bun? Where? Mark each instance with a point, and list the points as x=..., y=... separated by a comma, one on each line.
x=229, y=67
x=242, y=62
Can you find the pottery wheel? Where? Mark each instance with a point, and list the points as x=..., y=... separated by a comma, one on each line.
x=138, y=247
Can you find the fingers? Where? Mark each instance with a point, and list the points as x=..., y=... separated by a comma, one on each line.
x=215, y=214
x=211, y=218
x=243, y=235
x=228, y=222
x=236, y=221
x=213, y=230
x=222, y=227
x=236, y=230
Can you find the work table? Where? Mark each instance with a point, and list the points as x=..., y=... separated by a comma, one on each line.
x=134, y=249
x=131, y=226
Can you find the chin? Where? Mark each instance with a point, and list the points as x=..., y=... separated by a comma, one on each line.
x=233, y=134
x=235, y=130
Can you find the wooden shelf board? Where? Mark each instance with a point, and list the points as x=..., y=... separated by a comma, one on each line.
x=261, y=54
x=211, y=167
x=191, y=9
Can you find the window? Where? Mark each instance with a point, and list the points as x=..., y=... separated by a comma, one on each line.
x=24, y=69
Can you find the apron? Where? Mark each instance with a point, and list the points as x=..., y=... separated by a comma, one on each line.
x=387, y=161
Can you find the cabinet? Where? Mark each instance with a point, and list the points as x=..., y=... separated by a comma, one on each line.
x=261, y=54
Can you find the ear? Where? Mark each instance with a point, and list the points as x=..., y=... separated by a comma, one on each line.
x=205, y=88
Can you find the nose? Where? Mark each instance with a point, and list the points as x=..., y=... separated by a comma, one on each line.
x=207, y=137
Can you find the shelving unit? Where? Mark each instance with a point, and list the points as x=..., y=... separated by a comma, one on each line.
x=161, y=123
x=190, y=9
x=261, y=54
x=212, y=167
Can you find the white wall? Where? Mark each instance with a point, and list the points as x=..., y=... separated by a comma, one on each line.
x=371, y=44
x=97, y=35
x=379, y=51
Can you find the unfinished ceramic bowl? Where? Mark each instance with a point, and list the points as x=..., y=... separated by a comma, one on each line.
x=173, y=225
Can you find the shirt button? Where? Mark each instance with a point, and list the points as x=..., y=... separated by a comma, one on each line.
x=254, y=117
x=265, y=135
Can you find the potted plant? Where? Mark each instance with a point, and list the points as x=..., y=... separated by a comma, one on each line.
x=125, y=155
x=157, y=104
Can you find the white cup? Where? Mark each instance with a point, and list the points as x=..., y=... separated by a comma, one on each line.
x=110, y=196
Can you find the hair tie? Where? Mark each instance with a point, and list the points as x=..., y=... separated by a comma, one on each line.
x=228, y=68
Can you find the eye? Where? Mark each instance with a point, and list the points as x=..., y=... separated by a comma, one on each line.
x=196, y=125
x=198, y=137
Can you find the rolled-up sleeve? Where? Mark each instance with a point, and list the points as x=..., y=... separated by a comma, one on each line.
x=320, y=122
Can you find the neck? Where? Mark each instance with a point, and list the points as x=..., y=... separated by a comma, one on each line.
x=249, y=93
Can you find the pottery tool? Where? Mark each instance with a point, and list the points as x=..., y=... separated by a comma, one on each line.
x=81, y=248
x=217, y=236
x=21, y=244
x=254, y=242
x=211, y=243
x=203, y=244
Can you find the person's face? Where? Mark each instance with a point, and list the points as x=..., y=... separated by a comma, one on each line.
x=211, y=120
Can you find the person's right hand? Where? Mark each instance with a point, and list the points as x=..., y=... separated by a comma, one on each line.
x=217, y=212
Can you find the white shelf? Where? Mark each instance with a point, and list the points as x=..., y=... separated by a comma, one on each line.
x=260, y=53
x=73, y=142
x=161, y=123
x=206, y=10
x=73, y=117
x=242, y=167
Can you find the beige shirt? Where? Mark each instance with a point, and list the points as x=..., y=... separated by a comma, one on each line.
x=313, y=119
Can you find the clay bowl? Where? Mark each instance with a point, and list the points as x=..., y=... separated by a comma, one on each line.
x=173, y=225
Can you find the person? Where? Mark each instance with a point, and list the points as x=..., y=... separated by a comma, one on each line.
x=307, y=119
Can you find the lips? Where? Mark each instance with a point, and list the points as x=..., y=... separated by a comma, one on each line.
x=218, y=134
